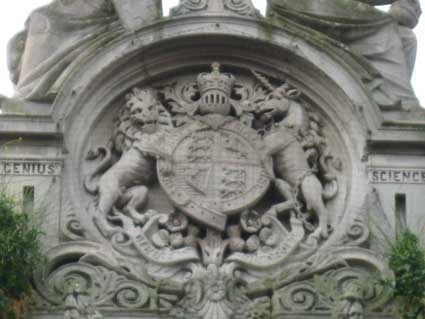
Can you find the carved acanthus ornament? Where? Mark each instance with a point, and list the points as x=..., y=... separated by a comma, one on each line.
x=249, y=172
x=239, y=7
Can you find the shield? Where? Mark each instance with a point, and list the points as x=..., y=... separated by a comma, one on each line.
x=215, y=171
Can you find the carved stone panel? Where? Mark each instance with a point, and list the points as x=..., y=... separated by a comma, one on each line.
x=213, y=164
x=212, y=190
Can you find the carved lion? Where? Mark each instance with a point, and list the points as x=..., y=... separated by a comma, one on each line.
x=123, y=184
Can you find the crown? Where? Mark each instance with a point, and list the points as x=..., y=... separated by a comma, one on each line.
x=215, y=87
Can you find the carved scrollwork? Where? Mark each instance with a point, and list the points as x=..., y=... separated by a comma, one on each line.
x=189, y=6
x=71, y=227
x=97, y=286
x=193, y=139
x=334, y=291
x=357, y=233
x=298, y=297
x=251, y=178
x=242, y=7
x=130, y=295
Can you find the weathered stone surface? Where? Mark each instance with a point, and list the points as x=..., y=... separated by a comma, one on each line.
x=384, y=40
x=211, y=165
x=60, y=35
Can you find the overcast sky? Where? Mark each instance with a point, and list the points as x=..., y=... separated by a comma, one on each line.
x=14, y=14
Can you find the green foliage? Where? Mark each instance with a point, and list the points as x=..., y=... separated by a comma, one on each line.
x=20, y=253
x=407, y=259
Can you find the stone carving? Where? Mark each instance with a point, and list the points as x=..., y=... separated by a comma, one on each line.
x=231, y=192
x=71, y=227
x=124, y=184
x=216, y=296
x=240, y=7
x=81, y=288
x=136, y=14
x=50, y=47
x=210, y=167
x=291, y=157
x=189, y=6
x=351, y=306
x=76, y=304
x=368, y=33
x=211, y=179
x=345, y=292
x=214, y=146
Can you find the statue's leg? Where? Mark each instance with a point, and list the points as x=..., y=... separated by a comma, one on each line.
x=136, y=198
x=290, y=165
x=286, y=191
x=109, y=191
x=312, y=190
x=131, y=169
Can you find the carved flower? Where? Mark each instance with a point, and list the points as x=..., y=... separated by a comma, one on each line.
x=252, y=244
x=176, y=222
x=215, y=289
x=268, y=238
x=251, y=221
x=215, y=285
x=176, y=240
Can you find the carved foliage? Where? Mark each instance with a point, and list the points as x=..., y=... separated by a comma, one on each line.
x=81, y=288
x=216, y=296
x=346, y=293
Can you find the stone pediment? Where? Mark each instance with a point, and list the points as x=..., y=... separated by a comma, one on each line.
x=217, y=164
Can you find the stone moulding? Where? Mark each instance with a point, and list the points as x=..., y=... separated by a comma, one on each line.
x=167, y=260
x=236, y=7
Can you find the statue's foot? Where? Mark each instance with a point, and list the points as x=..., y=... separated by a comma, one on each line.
x=137, y=217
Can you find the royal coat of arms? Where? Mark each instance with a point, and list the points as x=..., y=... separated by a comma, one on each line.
x=213, y=150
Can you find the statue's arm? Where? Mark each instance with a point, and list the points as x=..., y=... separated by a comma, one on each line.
x=15, y=52
x=406, y=12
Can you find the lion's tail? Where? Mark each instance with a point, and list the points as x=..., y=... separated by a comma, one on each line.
x=103, y=153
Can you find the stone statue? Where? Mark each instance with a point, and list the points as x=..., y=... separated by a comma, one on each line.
x=385, y=40
x=124, y=183
x=287, y=143
x=290, y=159
x=407, y=13
x=60, y=35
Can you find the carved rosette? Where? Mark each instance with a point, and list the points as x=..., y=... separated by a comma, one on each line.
x=214, y=188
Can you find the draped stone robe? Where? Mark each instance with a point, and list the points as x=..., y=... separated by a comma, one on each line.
x=387, y=44
x=60, y=35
